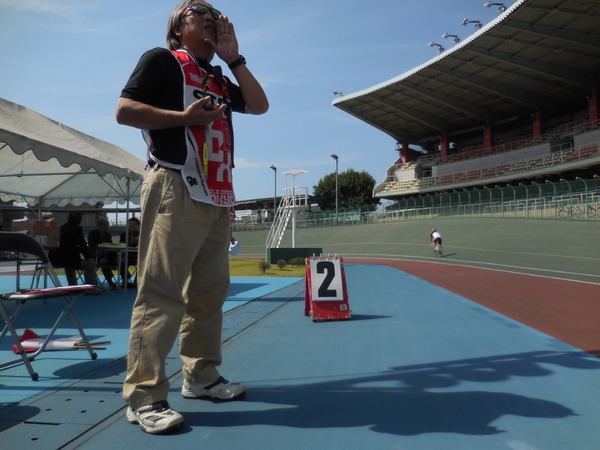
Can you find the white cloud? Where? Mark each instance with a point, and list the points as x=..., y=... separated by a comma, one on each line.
x=61, y=8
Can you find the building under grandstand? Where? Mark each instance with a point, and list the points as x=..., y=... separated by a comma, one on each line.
x=515, y=103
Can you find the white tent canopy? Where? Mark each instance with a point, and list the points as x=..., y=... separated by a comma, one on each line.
x=47, y=164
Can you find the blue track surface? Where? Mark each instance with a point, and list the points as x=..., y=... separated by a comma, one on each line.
x=104, y=317
x=417, y=367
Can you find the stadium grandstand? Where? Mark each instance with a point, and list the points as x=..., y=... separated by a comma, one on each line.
x=515, y=103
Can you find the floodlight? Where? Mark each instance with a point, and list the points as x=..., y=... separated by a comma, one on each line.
x=433, y=44
x=477, y=23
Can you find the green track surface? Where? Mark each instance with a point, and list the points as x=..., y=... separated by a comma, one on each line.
x=556, y=248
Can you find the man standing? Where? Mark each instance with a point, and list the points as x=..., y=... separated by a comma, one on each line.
x=71, y=246
x=184, y=106
x=106, y=259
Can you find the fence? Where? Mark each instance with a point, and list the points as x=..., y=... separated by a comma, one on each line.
x=577, y=199
x=565, y=153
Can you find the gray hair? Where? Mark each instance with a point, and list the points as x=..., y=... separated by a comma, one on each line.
x=173, y=23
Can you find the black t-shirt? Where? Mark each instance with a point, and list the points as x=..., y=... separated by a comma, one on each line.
x=157, y=80
x=72, y=244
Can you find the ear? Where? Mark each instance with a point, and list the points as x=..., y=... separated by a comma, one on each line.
x=177, y=29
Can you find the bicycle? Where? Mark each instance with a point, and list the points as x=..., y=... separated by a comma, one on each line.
x=436, y=241
x=577, y=210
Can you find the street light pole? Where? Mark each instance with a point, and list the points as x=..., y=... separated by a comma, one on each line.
x=334, y=156
x=275, y=193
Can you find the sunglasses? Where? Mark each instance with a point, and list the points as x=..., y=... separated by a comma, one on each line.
x=201, y=10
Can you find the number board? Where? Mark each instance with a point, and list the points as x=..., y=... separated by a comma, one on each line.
x=326, y=277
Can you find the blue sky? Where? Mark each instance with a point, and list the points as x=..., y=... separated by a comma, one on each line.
x=69, y=60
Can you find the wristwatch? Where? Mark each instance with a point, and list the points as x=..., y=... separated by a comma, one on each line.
x=238, y=62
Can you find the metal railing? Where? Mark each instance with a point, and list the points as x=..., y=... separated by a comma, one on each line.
x=565, y=155
x=564, y=200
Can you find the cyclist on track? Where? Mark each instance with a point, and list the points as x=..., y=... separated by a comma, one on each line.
x=435, y=238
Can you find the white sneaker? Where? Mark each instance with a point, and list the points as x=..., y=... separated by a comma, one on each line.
x=219, y=390
x=157, y=418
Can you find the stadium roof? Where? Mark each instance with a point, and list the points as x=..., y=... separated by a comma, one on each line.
x=537, y=54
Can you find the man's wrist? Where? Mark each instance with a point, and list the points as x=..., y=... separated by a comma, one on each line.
x=240, y=60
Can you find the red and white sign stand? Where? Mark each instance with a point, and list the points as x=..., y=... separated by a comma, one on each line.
x=325, y=292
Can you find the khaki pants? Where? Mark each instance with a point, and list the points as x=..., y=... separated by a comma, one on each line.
x=183, y=281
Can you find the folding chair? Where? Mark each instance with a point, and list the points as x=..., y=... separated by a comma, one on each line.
x=110, y=264
x=56, y=261
x=114, y=269
x=20, y=248
x=128, y=258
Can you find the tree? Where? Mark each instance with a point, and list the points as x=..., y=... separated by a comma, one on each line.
x=354, y=189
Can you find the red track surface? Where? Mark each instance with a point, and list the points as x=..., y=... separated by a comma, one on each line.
x=566, y=310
